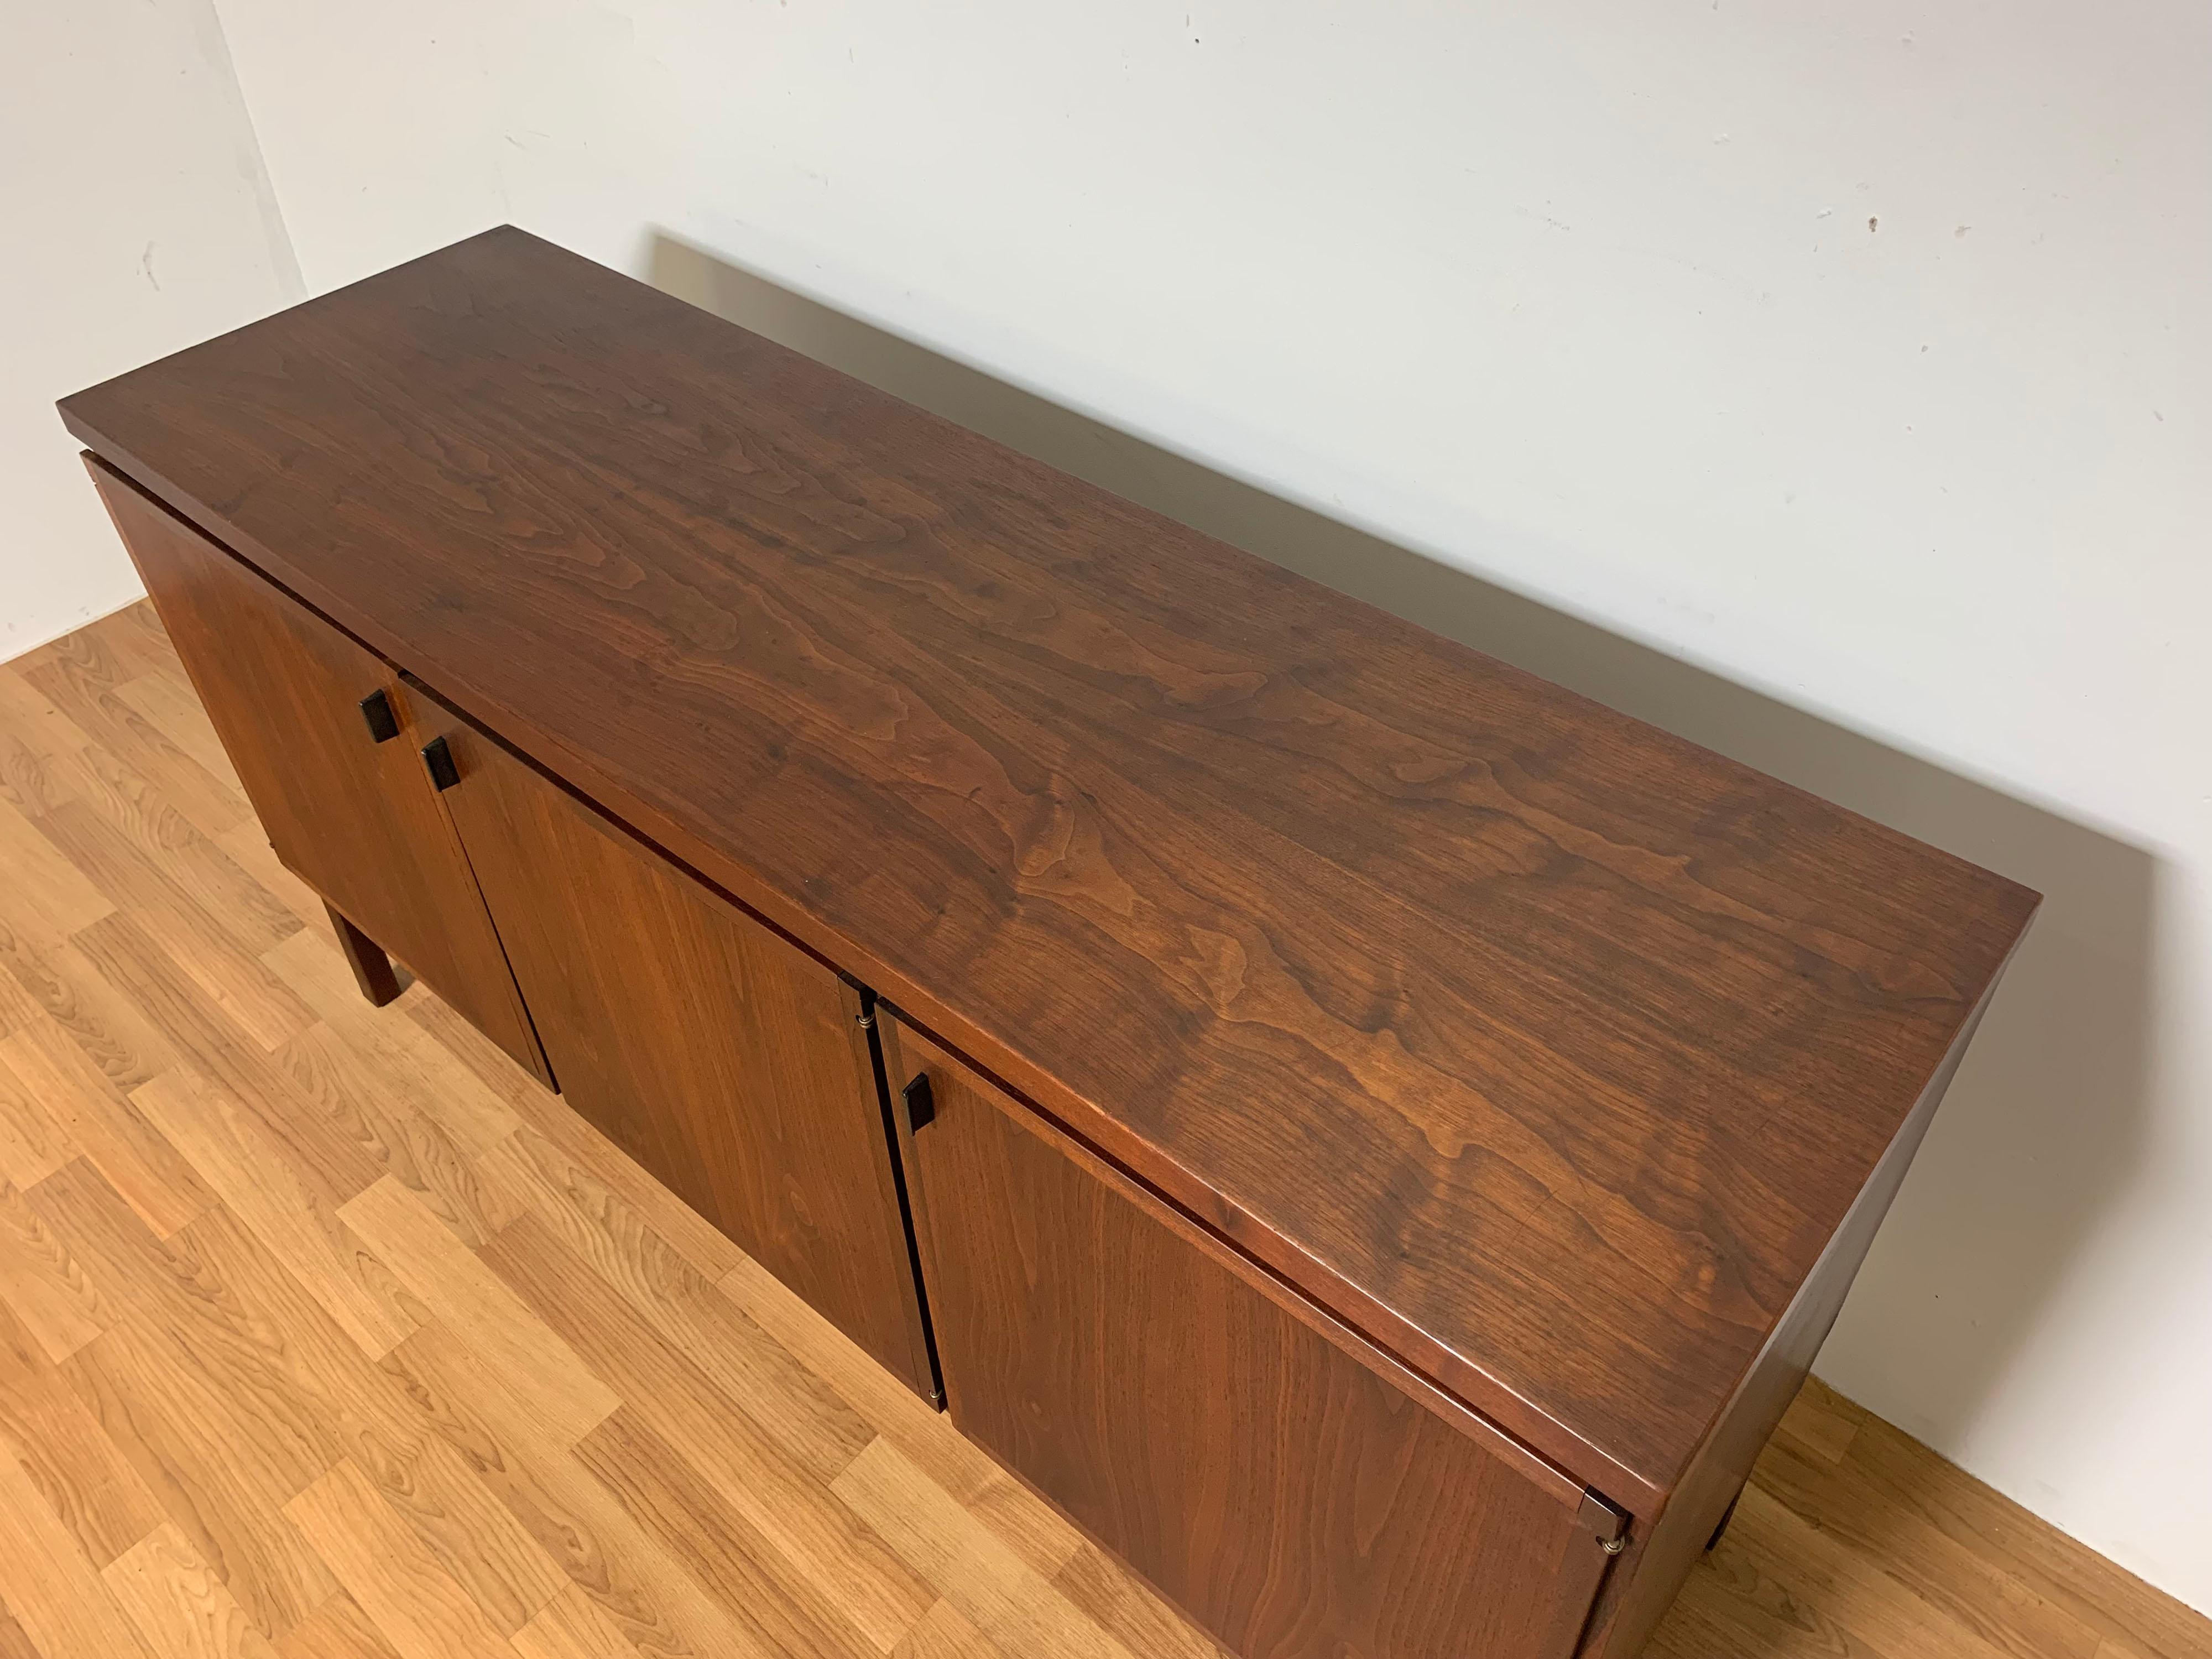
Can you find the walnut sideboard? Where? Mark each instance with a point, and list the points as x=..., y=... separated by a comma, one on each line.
x=1374, y=1137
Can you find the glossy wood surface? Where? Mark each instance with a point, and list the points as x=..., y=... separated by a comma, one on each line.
x=1660, y=1557
x=199, y=1323
x=1548, y=1049
x=1258, y=1473
x=353, y=816
x=723, y=1059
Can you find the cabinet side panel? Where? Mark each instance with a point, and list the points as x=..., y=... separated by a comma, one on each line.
x=353, y=816
x=1292, y=1501
x=1660, y=1558
x=726, y=1060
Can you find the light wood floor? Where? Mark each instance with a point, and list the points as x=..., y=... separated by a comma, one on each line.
x=324, y=1332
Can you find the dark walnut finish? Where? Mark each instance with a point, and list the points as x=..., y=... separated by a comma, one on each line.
x=372, y=967
x=729, y=1063
x=1289, y=1488
x=285, y=689
x=1566, y=1065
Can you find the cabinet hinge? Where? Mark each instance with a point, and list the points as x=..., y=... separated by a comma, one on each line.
x=1608, y=1525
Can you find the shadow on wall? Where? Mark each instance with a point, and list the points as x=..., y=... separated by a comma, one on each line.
x=2043, y=1128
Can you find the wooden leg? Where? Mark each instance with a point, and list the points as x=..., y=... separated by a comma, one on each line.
x=372, y=969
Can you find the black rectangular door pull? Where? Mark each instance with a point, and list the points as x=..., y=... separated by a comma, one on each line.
x=440, y=760
x=376, y=709
x=920, y=1104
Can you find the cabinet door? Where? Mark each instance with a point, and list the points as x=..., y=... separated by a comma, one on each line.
x=354, y=817
x=1289, y=1488
x=725, y=1060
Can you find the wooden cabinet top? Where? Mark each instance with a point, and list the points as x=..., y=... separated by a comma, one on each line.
x=1547, y=1049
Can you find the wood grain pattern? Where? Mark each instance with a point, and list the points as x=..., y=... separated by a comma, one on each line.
x=810, y=1422
x=1296, y=1504
x=725, y=1060
x=1001, y=1595
x=1857, y=1541
x=849, y=1578
x=699, y=1526
x=337, y=1630
x=85, y=1481
x=1597, y=1034
x=81, y=675
x=201, y=1402
x=1019, y=1520
x=50, y=1587
x=242, y=1162
x=326, y=1145
x=44, y=1284
x=45, y=890
x=180, y=1605
x=83, y=1108
x=572, y=1626
x=353, y=816
x=457, y=1287
x=398, y=1049
x=389, y=1571
x=261, y=1003
x=1660, y=1557
x=580, y=1523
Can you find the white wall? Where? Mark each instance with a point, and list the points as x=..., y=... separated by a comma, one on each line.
x=138, y=220
x=1856, y=352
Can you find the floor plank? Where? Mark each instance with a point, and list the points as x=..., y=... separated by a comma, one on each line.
x=59, y=983
x=87, y=696
x=246, y=1166
x=84, y=1108
x=44, y=1284
x=803, y=1536
x=1017, y=1609
x=257, y=1001
x=1023, y=1522
x=325, y=1333
x=579, y=1522
x=398, y=1049
x=390, y=1572
x=361, y=1121
x=2137, y=1620
x=327, y=1147
x=84, y=1477
x=33, y=1144
x=337, y=1630
x=802, y=1415
x=945, y=1632
x=44, y=893
x=166, y=700
x=728, y=1553
x=14, y=1643
x=49, y=1584
x=193, y=880
x=181, y=1605
x=571, y=1626
x=481, y=1307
